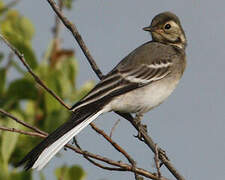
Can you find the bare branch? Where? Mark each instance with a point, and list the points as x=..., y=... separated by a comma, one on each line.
x=36, y=134
x=72, y=28
x=124, y=166
x=94, y=162
x=117, y=147
x=56, y=29
x=150, y=143
x=113, y=143
x=37, y=79
x=22, y=122
x=156, y=158
x=114, y=127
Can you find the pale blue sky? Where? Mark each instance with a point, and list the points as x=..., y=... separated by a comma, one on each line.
x=190, y=124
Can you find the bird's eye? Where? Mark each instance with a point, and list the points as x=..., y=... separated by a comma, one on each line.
x=167, y=26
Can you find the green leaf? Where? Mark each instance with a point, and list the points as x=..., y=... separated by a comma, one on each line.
x=68, y=3
x=83, y=90
x=55, y=119
x=29, y=55
x=1, y=56
x=9, y=139
x=23, y=175
x=76, y=172
x=17, y=28
x=2, y=7
x=19, y=31
x=4, y=172
x=70, y=173
x=22, y=89
x=2, y=80
x=51, y=103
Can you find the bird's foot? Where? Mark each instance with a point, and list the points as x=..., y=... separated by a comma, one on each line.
x=140, y=126
x=162, y=153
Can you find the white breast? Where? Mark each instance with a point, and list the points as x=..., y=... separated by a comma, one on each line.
x=145, y=98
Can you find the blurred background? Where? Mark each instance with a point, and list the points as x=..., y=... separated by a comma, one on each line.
x=189, y=125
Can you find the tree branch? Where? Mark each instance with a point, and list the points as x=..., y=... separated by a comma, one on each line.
x=36, y=78
x=113, y=143
x=94, y=162
x=72, y=28
x=21, y=122
x=36, y=134
x=41, y=134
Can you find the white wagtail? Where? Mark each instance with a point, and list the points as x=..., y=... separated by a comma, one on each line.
x=140, y=82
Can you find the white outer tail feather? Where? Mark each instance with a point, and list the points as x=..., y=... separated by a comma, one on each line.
x=51, y=150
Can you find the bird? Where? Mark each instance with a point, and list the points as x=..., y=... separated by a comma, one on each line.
x=140, y=82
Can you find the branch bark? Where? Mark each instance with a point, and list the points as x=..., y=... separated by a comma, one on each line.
x=72, y=28
x=38, y=133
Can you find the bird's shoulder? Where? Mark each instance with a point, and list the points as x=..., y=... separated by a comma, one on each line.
x=149, y=53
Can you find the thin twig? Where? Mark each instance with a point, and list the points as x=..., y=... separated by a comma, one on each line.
x=113, y=143
x=124, y=166
x=94, y=162
x=22, y=122
x=117, y=147
x=37, y=79
x=156, y=158
x=72, y=28
x=150, y=143
x=56, y=29
x=114, y=127
x=36, y=134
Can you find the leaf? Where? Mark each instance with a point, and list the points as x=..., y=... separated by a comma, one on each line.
x=1, y=56
x=60, y=172
x=2, y=7
x=51, y=103
x=4, y=172
x=23, y=175
x=55, y=119
x=2, y=80
x=9, y=139
x=17, y=28
x=84, y=90
x=67, y=72
x=22, y=89
x=76, y=172
x=19, y=31
x=70, y=173
x=28, y=53
x=68, y=4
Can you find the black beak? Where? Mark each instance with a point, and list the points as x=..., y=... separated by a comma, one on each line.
x=149, y=28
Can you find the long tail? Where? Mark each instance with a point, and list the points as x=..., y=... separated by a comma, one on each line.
x=43, y=152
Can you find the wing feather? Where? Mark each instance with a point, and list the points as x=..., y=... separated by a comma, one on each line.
x=121, y=81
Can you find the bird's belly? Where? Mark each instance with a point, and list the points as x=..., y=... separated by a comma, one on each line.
x=143, y=99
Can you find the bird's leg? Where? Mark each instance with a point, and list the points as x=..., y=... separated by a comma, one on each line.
x=137, y=120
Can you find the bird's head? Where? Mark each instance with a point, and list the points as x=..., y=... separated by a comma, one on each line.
x=166, y=28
